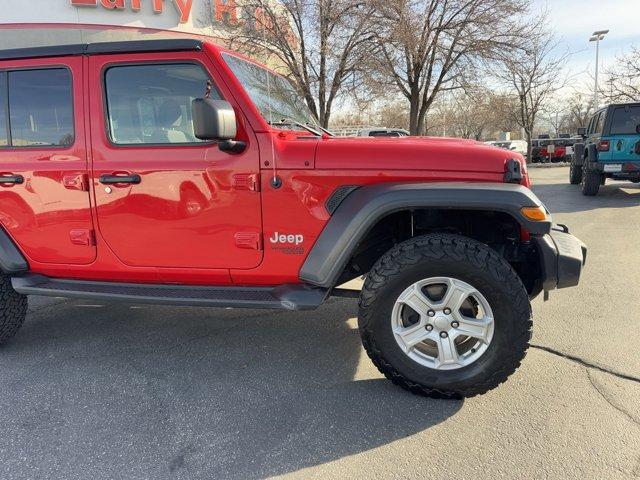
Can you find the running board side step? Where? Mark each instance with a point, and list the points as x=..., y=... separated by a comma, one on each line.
x=283, y=297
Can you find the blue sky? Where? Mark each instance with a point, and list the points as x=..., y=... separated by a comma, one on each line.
x=575, y=20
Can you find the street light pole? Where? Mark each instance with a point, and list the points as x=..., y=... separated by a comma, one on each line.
x=596, y=37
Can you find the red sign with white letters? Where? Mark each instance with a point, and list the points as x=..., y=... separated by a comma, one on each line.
x=182, y=6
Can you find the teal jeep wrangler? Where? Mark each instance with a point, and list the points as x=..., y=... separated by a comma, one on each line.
x=611, y=148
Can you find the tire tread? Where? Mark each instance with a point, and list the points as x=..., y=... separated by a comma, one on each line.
x=463, y=249
x=591, y=182
x=13, y=309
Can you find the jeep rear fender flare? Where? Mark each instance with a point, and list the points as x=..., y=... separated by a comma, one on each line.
x=11, y=260
x=366, y=206
x=591, y=156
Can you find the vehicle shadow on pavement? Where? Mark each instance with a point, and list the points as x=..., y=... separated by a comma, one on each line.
x=566, y=198
x=151, y=392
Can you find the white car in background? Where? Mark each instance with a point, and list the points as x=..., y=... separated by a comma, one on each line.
x=519, y=146
x=382, y=132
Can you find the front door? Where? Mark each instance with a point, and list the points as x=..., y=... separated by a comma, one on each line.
x=163, y=197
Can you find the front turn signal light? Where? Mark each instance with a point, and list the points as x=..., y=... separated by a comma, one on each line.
x=537, y=214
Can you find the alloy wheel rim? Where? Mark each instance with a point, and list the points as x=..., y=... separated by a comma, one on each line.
x=442, y=323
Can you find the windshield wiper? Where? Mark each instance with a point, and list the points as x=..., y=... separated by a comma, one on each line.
x=331, y=134
x=287, y=121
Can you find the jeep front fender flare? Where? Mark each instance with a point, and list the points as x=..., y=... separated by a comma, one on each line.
x=367, y=205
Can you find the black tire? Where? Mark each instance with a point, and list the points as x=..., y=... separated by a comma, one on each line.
x=456, y=257
x=591, y=182
x=575, y=173
x=13, y=309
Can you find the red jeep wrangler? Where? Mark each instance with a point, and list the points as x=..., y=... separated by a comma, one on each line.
x=177, y=172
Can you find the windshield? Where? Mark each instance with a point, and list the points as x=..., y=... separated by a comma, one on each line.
x=285, y=103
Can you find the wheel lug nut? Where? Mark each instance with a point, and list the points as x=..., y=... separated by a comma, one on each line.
x=431, y=313
x=455, y=324
x=447, y=311
x=429, y=328
x=444, y=334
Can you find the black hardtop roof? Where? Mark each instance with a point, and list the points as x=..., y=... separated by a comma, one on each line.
x=617, y=104
x=97, y=48
x=624, y=104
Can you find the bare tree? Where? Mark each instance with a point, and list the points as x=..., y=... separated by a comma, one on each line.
x=319, y=43
x=459, y=114
x=553, y=116
x=534, y=75
x=393, y=115
x=426, y=46
x=578, y=110
x=622, y=80
x=503, y=112
x=475, y=112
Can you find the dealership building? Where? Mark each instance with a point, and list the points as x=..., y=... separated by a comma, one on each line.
x=213, y=18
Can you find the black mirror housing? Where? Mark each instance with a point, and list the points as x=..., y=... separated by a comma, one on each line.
x=213, y=119
x=582, y=132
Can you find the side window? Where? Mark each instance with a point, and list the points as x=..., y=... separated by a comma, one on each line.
x=590, y=127
x=40, y=107
x=600, y=122
x=4, y=132
x=151, y=104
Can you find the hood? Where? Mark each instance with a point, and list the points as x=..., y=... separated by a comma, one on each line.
x=412, y=153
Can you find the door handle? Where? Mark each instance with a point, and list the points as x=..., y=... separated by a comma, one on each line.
x=115, y=179
x=11, y=178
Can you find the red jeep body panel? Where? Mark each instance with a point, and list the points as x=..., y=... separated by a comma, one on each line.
x=200, y=215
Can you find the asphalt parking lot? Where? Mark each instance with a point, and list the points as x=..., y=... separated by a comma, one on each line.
x=125, y=392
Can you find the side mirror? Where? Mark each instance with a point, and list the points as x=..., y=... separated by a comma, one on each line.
x=582, y=132
x=216, y=120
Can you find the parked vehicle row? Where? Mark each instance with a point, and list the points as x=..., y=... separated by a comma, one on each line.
x=519, y=146
x=552, y=150
x=543, y=150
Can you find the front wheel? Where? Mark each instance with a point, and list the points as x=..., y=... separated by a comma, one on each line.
x=444, y=316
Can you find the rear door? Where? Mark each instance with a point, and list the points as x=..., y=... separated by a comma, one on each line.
x=181, y=202
x=44, y=197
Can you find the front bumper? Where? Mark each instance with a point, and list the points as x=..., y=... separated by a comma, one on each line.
x=562, y=257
